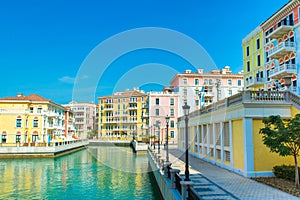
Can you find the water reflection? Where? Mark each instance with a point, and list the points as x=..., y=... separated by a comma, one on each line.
x=95, y=173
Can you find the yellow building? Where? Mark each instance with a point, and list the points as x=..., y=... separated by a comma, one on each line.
x=121, y=114
x=253, y=60
x=33, y=119
x=226, y=133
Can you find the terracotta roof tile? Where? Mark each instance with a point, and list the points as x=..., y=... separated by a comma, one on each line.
x=32, y=97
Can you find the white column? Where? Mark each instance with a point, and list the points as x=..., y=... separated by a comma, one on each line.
x=214, y=139
x=248, y=145
x=222, y=141
x=202, y=139
x=230, y=142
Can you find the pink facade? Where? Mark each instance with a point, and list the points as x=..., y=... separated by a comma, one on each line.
x=162, y=104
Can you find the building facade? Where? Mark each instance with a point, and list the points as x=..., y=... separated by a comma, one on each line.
x=200, y=89
x=121, y=114
x=162, y=104
x=85, y=117
x=253, y=60
x=33, y=119
x=226, y=133
x=280, y=36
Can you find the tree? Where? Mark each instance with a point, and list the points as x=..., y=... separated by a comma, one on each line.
x=283, y=137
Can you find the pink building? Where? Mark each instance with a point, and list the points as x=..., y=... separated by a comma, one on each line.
x=200, y=89
x=162, y=104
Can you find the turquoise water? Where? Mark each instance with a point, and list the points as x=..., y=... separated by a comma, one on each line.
x=93, y=173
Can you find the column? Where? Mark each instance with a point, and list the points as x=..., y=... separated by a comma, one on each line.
x=248, y=146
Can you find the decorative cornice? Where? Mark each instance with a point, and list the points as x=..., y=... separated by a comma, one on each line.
x=253, y=33
x=282, y=12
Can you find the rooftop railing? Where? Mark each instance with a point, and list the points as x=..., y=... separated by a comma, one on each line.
x=264, y=97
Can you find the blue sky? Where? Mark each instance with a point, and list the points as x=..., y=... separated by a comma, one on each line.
x=44, y=43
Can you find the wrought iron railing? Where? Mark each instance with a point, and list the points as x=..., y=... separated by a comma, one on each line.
x=177, y=182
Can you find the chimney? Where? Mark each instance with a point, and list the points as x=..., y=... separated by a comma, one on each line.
x=20, y=94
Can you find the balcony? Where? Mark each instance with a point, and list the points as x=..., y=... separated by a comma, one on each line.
x=208, y=94
x=282, y=70
x=145, y=115
x=281, y=49
x=133, y=108
x=280, y=31
x=108, y=109
x=145, y=127
x=256, y=81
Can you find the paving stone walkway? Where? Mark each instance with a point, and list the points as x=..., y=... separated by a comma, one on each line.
x=213, y=182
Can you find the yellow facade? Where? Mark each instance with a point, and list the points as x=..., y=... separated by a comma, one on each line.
x=234, y=130
x=238, y=144
x=32, y=119
x=254, y=74
x=120, y=115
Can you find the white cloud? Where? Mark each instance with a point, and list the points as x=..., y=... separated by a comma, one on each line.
x=67, y=79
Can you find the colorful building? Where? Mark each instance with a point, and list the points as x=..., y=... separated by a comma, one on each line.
x=200, y=89
x=253, y=60
x=121, y=114
x=162, y=104
x=270, y=51
x=33, y=119
x=226, y=133
x=85, y=117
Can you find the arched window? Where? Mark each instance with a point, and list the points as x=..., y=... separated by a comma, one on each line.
x=35, y=122
x=19, y=122
x=3, y=137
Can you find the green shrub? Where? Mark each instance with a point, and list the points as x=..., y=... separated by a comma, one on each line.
x=285, y=172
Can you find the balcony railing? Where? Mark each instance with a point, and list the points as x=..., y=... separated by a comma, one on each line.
x=255, y=81
x=261, y=97
x=281, y=49
x=282, y=70
x=281, y=29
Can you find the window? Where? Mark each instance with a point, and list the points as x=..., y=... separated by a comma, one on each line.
x=172, y=112
x=18, y=138
x=39, y=110
x=229, y=82
x=248, y=66
x=19, y=122
x=196, y=81
x=31, y=109
x=172, y=102
x=172, y=124
x=157, y=112
x=205, y=81
x=35, y=123
x=258, y=60
x=157, y=101
x=184, y=81
x=239, y=82
x=35, y=136
x=172, y=134
x=229, y=92
x=258, y=43
x=3, y=138
x=210, y=82
x=247, y=51
x=185, y=92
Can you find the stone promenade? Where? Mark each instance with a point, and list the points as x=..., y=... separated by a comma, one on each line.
x=213, y=182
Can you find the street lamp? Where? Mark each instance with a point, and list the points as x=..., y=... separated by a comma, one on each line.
x=167, y=139
x=158, y=127
x=186, y=109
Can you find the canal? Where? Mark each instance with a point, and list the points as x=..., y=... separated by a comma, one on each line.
x=93, y=173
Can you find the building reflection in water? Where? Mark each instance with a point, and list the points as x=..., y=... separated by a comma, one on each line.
x=94, y=173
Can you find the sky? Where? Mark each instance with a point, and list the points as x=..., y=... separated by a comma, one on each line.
x=45, y=45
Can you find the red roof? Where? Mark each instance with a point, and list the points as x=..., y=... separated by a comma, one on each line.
x=32, y=97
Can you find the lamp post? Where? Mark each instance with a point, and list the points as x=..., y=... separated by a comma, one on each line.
x=158, y=127
x=186, y=109
x=167, y=139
